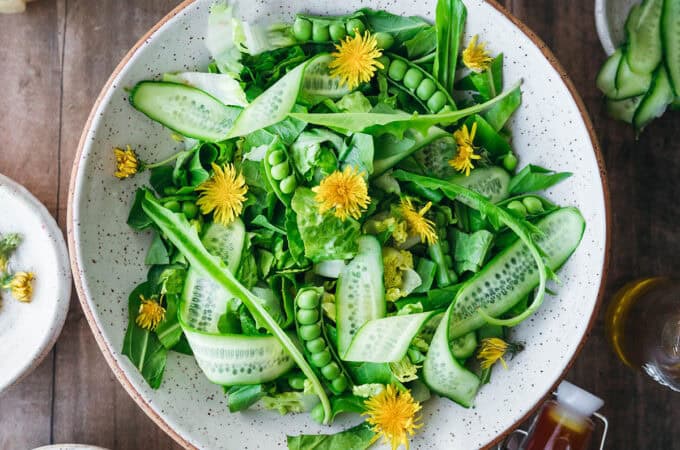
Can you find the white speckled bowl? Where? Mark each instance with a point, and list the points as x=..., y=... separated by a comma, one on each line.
x=550, y=129
x=29, y=330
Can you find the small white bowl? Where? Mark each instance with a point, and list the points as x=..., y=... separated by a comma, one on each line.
x=610, y=18
x=28, y=330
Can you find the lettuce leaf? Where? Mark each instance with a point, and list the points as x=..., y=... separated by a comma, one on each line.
x=324, y=235
x=359, y=437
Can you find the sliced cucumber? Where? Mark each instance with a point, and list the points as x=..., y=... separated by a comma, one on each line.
x=225, y=242
x=656, y=101
x=184, y=109
x=644, y=46
x=670, y=34
x=624, y=109
x=386, y=340
x=221, y=86
x=360, y=294
x=491, y=182
x=444, y=374
x=203, y=302
x=464, y=346
x=606, y=77
x=628, y=83
x=318, y=84
x=512, y=274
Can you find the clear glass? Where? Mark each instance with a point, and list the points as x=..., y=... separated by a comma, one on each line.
x=643, y=327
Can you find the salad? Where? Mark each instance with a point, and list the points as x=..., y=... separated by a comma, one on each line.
x=346, y=230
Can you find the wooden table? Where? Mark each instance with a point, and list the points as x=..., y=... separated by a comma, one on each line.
x=55, y=58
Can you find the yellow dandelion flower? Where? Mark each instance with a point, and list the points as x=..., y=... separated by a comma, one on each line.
x=400, y=233
x=150, y=314
x=395, y=263
x=126, y=162
x=21, y=286
x=416, y=221
x=462, y=162
x=392, y=416
x=356, y=59
x=476, y=57
x=223, y=194
x=494, y=349
x=345, y=192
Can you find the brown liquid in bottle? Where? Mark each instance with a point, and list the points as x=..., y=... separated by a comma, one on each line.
x=557, y=428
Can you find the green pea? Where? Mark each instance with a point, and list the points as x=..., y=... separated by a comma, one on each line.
x=288, y=184
x=307, y=316
x=276, y=157
x=337, y=31
x=302, y=29
x=517, y=207
x=412, y=78
x=320, y=32
x=173, y=206
x=189, y=209
x=533, y=205
x=510, y=162
x=448, y=260
x=340, y=383
x=330, y=371
x=169, y=190
x=280, y=171
x=425, y=89
x=316, y=345
x=297, y=381
x=318, y=413
x=355, y=24
x=384, y=40
x=320, y=359
x=437, y=101
x=310, y=332
x=308, y=300
x=397, y=70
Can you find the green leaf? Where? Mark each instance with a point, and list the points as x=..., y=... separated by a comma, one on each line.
x=535, y=178
x=471, y=250
x=289, y=129
x=157, y=253
x=243, y=397
x=344, y=404
x=307, y=150
x=487, y=137
x=359, y=437
x=261, y=221
x=184, y=237
x=488, y=83
x=423, y=43
x=169, y=331
x=324, y=235
x=498, y=114
x=295, y=244
x=450, y=24
x=360, y=154
x=137, y=218
x=402, y=28
x=142, y=346
x=397, y=124
x=161, y=177
x=354, y=102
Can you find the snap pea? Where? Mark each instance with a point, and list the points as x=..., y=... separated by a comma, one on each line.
x=173, y=205
x=510, y=162
x=418, y=83
x=277, y=171
x=297, y=381
x=302, y=29
x=169, y=190
x=288, y=184
x=280, y=171
x=384, y=40
x=533, y=205
x=276, y=157
x=319, y=353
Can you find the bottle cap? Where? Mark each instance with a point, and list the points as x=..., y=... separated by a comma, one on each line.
x=578, y=400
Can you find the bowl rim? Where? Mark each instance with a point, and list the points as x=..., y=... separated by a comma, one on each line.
x=103, y=344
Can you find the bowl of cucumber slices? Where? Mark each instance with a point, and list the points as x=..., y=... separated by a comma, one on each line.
x=339, y=225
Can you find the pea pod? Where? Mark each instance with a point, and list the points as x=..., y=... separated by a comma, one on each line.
x=420, y=84
x=529, y=205
x=320, y=355
x=326, y=29
x=279, y=172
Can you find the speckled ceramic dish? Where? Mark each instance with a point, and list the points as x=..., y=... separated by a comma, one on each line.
x=28, y=330
x=551, y=129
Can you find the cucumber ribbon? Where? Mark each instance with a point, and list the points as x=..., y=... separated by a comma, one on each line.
x=185, y=238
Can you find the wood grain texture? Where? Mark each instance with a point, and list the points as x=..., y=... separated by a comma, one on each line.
x=54, y=60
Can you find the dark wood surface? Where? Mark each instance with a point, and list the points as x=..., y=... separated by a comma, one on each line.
x=55, y=58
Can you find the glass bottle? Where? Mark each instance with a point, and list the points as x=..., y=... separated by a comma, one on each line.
x=564, y=423
x=643, y=328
